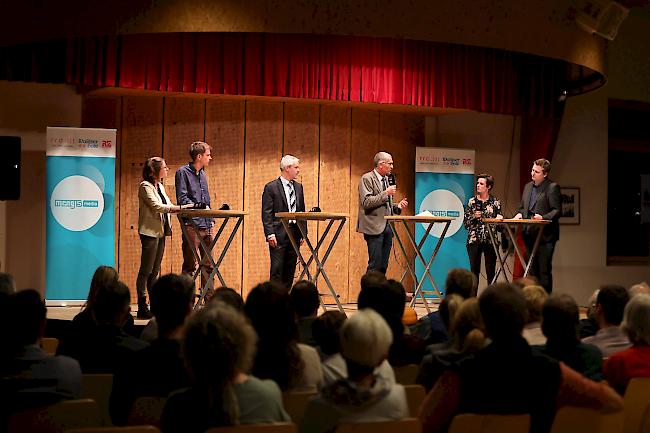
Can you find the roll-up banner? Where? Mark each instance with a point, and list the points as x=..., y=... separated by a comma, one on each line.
x=80, y=185
x=444, y=182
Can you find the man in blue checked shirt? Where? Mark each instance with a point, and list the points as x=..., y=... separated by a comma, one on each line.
x=192, y=187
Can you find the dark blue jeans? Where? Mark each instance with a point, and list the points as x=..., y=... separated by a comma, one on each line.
x=379, y=250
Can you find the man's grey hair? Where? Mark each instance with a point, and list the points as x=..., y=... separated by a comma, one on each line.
x=638, y=289
x=381, y=156
x=288, y=161
x=366, y=338
x=636, y=320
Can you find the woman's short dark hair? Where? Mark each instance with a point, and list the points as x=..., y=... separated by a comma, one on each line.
x=151, y=169
x=489, y=179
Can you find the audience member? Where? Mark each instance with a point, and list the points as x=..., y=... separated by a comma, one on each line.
x=219, y=348
x=507, y=377
x=30, y=377
x=528, y=280
x=229, y=296
x=389, y=300
x=610, y=304
x=588, y=326
x=280, y=357
x=638, y=289
x=535, y=296
x=158, y=369
x=466, y=338
x=7, y=284
x=431, y=327
x=635, y=361
x=84, y=322
x=326, y=334
x=103, y=347
x=372, y=279
x=306, y=301
x=362, y=396
x=560, y=326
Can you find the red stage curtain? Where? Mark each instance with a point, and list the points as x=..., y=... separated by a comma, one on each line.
x=329, y=67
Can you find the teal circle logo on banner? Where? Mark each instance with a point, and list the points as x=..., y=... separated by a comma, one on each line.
x=77, y=203
x=443, y=203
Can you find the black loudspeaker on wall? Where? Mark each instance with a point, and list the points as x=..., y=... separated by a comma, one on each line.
x=9, y=168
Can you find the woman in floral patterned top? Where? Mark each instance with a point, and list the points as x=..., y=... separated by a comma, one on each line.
x=483, y=205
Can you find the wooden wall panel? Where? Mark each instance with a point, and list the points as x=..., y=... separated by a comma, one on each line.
x=364, y=145
x=263, y=153
x=394, y=137
x=141, y=138
x=183, y=124
x=105, y=112
x=301, y=141
x=334, y=195
x=224, y=131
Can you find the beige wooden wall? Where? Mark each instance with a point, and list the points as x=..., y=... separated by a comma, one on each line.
x=335, y=144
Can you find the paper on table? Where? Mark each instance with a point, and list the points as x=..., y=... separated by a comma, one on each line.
x=425, y=213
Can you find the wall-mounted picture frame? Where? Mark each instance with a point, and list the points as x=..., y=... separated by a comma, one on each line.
x=570, y=205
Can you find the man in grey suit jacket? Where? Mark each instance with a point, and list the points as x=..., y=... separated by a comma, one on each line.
x=283, y=194
x=541, y=200
x=375, y=202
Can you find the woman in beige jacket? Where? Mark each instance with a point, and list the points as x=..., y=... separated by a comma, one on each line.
x=153, y=225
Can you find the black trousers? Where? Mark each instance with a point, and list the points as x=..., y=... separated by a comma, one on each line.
x=283, y=261
x=150, y=259
x=379, y=247
x=474, y=252
x=542, y=266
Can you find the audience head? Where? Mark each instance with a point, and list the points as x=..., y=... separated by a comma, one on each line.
x=560, y=318
x=7, y=284
x=104, y=276
x=535, y=296
x=636, y=320
x=219, y=344
x=503, y=308
x=610, y=303
x=466, y=330
x=372, y=279
x=388, y=300
x=27, y=314
x=112, y=304
x=461, y=282
x=325, y=330
x=171, y=300
x=591, y=309
x=228, y=296
x=640, y=288
x=365, y=342
x=270, y=310
x=529, y=280
x=306, y=300
x=448, y=308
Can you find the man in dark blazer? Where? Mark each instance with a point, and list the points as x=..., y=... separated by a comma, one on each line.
x=541, y=200
x=283, y=194
x=375, y=202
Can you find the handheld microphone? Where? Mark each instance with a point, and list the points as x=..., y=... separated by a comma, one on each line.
x=392, y=179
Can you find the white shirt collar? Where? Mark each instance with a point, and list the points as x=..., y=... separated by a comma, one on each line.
x=285, y=182
x=379, y=176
